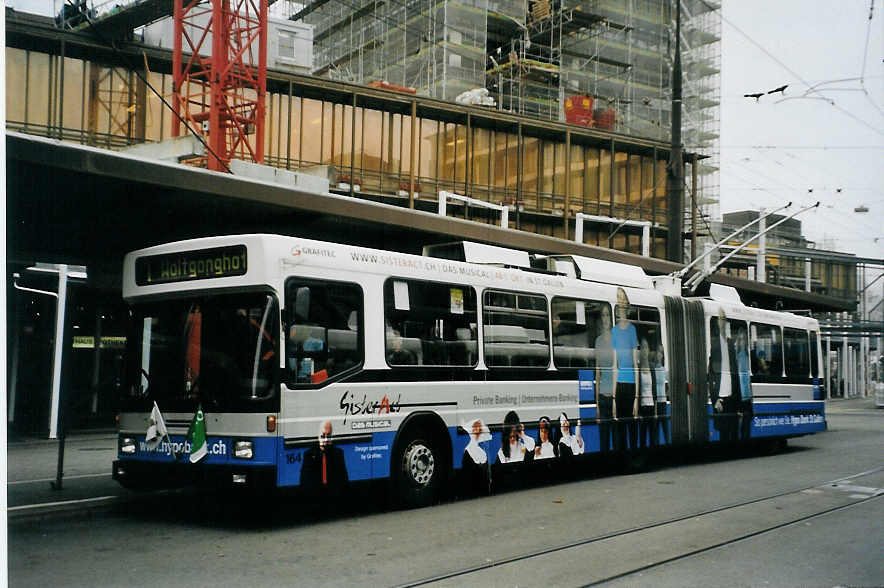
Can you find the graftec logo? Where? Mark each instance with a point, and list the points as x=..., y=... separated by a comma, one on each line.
x=315, y=251
x=352, y=407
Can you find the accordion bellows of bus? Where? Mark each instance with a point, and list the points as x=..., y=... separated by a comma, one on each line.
x=272, y=361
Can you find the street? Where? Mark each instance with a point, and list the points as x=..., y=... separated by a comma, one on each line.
x=809, y=516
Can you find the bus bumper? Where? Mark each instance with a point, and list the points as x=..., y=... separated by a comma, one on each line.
x=141, y=475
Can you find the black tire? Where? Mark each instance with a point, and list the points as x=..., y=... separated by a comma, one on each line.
x=418, y=470
x=772, y=446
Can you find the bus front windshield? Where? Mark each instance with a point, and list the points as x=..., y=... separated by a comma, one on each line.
x=218, y=351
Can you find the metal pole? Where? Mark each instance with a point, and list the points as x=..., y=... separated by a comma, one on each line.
x=566, y=210
x=863, y=341
x=675, y=177
x=411, y=154
x=16, y=344
x=59, y=349
x=694, y=175
x=56, y=425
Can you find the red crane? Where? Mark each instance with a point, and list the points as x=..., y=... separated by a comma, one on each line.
x=220, y=90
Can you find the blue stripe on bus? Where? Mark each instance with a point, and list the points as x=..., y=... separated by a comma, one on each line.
x=779, y=419
x=364, y=460
x=367, y=460
x=219, y=451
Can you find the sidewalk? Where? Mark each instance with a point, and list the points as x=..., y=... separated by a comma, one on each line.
x=32, y=465
x=852, y=404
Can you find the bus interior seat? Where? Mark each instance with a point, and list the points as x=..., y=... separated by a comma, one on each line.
x=339, y=339
x=506, y=334
x=536, y=335
x=413, y=344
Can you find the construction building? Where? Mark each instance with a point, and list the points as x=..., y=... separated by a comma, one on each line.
x=599, y=63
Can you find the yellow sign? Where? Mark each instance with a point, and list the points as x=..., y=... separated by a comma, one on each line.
x=88, y=342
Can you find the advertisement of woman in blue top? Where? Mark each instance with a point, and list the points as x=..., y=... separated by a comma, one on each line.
x=626, y=392
x=605, y=380
x=660, y=384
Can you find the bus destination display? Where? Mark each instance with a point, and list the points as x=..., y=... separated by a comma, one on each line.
x=202, y=264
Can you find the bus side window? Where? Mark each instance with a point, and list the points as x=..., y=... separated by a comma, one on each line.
x=767, y=350
x=324, y=337
x=576, y=326
x=797, y=352
x=516, y=330
x=429, y=323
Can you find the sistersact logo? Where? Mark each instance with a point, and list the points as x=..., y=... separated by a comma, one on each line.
x=352, y=406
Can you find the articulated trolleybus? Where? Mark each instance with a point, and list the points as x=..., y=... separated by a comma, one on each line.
x=275, y=361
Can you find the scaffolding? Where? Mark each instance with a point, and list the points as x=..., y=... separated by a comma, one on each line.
x=436, y=47
x=538, y=57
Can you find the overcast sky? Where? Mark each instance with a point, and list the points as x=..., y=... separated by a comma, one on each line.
x=776, y=150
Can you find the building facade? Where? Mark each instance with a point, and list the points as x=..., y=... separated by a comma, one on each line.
x=599, y=63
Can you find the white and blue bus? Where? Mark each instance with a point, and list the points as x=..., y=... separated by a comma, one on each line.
x=318, y=364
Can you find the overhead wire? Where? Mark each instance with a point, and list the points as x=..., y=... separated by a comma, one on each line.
x=862, y=78
x=789, y=69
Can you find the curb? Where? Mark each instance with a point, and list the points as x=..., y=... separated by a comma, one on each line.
x=65, y=510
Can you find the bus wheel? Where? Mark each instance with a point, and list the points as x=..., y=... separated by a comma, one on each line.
x=418, y=472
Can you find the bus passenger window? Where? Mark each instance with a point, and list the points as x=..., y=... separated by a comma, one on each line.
x=576, y=325
x=429, y=324
x=516, y=330
x=767, y=351
x=814, y=356
x=797, y=353
x=323, y=331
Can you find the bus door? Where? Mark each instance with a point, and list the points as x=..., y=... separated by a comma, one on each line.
x=687, y=371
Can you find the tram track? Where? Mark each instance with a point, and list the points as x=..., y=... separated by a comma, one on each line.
x=695, y=517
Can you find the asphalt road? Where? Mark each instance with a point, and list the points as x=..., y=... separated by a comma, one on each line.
x=808, y=516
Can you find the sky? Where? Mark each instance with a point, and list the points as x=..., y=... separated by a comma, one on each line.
x=797, y=146
x=781, y=147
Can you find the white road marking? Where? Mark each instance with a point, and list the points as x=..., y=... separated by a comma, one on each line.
x=60, y=503
x=63, y=478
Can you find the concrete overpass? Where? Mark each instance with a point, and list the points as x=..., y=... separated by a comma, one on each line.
x=82, y=205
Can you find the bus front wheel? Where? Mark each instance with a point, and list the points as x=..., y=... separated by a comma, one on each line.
x=418, y=472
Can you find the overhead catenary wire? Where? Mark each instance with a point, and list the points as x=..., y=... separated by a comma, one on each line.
x=787, y=68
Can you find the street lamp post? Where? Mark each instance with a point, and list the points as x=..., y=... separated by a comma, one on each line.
x=56, y=418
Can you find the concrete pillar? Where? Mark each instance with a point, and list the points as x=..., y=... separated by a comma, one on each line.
x=760, y=270
x=828, y=367
x=807, y=269
x=863, y=358
x=844, y=363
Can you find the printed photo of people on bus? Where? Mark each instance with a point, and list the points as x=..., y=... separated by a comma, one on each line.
x=475, y=471
x=324, y=470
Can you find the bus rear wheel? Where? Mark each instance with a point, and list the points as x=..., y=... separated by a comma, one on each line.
x=419, y=471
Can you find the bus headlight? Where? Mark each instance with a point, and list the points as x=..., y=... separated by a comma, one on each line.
x=127, y=445
x=243, y=449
